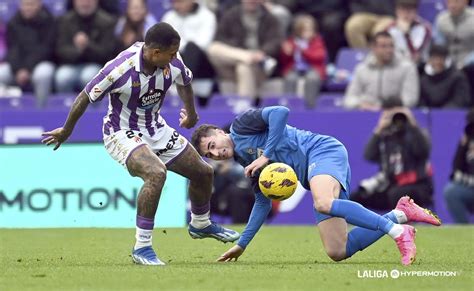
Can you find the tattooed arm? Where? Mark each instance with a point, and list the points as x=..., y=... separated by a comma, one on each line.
x=60, y=135
x=188, y=114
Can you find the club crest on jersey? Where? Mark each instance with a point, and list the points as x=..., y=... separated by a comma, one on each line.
x=150, y=98
x=167, y=72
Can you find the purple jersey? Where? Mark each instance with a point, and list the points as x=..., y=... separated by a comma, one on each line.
x=135, y=98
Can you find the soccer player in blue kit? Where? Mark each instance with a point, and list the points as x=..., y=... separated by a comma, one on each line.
x=261, y=136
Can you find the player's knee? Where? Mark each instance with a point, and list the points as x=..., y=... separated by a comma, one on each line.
x=323, y=204
x=336, y=254
x=156, y=175
x=206, y=174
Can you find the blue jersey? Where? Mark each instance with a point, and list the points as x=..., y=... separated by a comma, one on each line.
x=251, y=135
x=265, y=132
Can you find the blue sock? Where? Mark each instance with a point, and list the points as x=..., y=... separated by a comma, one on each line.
x=359, y=238
x=357, y=215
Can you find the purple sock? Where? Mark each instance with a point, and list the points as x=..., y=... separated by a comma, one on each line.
x=145, y=223
x=202, y=209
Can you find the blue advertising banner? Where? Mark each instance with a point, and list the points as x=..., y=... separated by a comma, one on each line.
x=353, y=128
x=78, y=185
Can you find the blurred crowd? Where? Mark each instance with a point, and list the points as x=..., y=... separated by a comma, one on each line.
x=428, y=63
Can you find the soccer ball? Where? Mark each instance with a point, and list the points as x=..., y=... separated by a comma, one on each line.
x=278, y=181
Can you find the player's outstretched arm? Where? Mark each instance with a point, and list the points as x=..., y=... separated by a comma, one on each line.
x=259, y=214
x=188, y=116
x=61, y=134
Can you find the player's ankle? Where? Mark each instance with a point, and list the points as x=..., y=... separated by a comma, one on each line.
x=395, y=231
x=200, y=220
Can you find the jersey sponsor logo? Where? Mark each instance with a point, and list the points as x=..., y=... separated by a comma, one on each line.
x=171, y=143
x=259, y=152
x=250, y=151
x=150, y=98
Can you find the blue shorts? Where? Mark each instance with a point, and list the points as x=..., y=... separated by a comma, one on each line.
x=329, y=157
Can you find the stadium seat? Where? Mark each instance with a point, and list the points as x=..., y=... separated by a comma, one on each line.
x=429, y=9
x=291, y=102
x=330, y=101
x=26, y=101
x=219, y=101
x=346, y=60
x=56, y=7
x=60, y=101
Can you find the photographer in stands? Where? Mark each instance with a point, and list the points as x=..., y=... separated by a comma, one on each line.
x=402, y=151
x=459, y=192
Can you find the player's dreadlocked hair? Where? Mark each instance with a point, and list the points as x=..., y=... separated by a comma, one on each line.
x=204, y=130
x=162, y=36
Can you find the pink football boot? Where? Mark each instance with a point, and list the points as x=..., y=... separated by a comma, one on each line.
x=416, y=213
x=406, y=244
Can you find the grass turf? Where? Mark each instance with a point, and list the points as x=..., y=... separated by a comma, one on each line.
x=279, y=258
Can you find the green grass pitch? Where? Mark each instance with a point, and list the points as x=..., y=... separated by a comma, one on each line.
x=279, y=258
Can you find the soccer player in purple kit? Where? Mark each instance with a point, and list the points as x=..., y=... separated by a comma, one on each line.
x=136, y=136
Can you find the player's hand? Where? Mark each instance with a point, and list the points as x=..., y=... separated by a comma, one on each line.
x=232, y=254
x=187, y=120
x=256, y=165
x=56, y=136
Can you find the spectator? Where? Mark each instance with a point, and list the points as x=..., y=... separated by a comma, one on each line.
x=247, y=42
x=402, y=150
x=455, y=29
x=132, y=26
x=304, y=55
x=85, y=42
x=110, y=6
x=469, y=72
x=442, y=85
x=411, y=34
x=30, y=40
x=367, y=18
x=196, y=25
x=331, y=16
x=459, y=192
x=281, y=13
x=382, y=76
